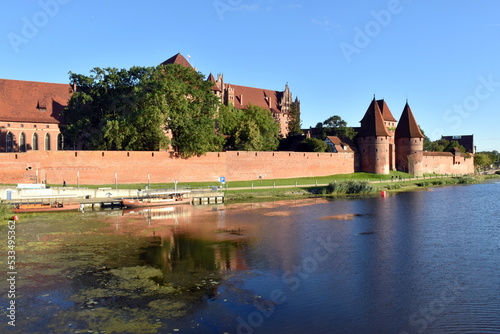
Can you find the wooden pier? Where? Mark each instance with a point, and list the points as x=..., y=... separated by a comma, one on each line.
x=198, y=197
x=207, y=197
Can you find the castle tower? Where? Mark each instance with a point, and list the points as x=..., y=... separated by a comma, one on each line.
x=229, y=97
x=215, y=88
x=374, y=140
x=409, y=139
x=390, y=123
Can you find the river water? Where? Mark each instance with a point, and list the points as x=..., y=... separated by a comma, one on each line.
x=415, y=262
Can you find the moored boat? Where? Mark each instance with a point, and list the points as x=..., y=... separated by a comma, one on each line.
x=157, y=199
x=45, y=207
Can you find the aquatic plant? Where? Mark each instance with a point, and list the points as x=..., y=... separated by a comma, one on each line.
x=5, y=211
x=350, y=187
x=467, y=180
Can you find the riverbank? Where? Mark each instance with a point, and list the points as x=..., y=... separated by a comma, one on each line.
x=346, y=185
x=389, y=184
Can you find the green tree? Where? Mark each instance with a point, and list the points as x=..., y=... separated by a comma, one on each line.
x=294, y=124
x=436, y=146
x=451, y=145
x=312, y=145
x=132, y=109
x=190, y=109
x=483, y=160
x=228, y=120
x=247, y=136
x=251, y=129
x=336, y=126
x=103, y=112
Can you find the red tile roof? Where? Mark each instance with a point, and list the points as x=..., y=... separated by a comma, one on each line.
x=407, y=126
x=265, y=98
x=177, y=59
x=37, y=102
x=215, y=87
x=372, y=123
x=340, y=144
x=386, y=112
x=438, y=154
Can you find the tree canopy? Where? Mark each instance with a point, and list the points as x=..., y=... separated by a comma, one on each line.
x=442, y=145
x=312, y=145
x=251, y=129
x=485, y=160
x=294, y=124
x=335, y=126
x=119, y=109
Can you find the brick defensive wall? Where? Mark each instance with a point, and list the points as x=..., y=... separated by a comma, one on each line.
x=101, y=167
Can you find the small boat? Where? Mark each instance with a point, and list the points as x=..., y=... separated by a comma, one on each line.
x=45, y=207
x=157, y=199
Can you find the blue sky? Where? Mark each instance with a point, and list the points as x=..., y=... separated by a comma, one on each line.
x=443, y=56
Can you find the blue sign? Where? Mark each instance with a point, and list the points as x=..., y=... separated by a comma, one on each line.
x=222, y=179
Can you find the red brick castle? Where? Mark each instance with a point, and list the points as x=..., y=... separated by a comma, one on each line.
x=384, y=144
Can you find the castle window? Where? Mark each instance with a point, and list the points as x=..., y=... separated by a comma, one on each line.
x=22, y=125
x=60, y=142
x=9, y=144
x=22, y=142
x=34, y=142
x=47, y=142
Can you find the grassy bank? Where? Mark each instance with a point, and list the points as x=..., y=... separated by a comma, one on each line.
x=353, y=185
x=301, y=181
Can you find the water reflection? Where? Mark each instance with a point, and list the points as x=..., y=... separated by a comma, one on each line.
x=416, y=262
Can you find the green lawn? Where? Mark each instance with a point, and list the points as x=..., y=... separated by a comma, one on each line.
x=258, y=183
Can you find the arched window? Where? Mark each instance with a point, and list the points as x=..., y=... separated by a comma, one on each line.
x=35, y=142
x=60, y=142
x=9, y=143
x=22, y=142
x=47, y=142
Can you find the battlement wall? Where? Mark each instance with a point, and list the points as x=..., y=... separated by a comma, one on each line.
x=104, y=167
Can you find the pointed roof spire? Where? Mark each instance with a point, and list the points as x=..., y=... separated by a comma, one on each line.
x=177, y=59
x=372, y=123
x=407, y=126
x=211, y=77
x=215, y=87
x=386, y=112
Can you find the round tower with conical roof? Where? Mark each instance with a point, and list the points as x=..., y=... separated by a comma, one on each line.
x=409, y=140
x=374, y=141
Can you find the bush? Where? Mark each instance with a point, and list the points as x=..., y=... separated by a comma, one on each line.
x=466, y=180
x=393, y=186
x=312, y=145
x=5, y=211
x=350, y=187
